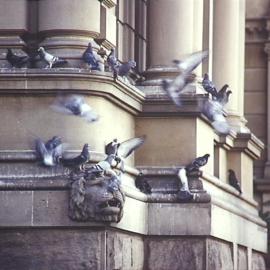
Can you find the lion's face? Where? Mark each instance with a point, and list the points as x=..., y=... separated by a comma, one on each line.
x=101, y=199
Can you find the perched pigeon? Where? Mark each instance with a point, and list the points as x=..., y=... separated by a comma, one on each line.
x=214, y=112
x=209, y=86
x=223, y=95
x=90, y=58
x=174, y=88
x=50, y=152
x=197, y=163
x=75, y=105
x=233, y=181
x=17, y=61
x=123, y=69
x=142, y=184
x=79, y=160
x=112, y=60
x=52, y=61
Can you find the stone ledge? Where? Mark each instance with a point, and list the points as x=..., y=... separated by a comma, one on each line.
x=83, y=81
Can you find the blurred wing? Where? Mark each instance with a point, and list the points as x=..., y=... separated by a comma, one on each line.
x=127, y=147
x=90, y=116
x=192, y=61
x=41, y=150
x=220, y=124
x=175, y=87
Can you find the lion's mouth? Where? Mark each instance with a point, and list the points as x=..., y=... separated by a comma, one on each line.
x=114, y=202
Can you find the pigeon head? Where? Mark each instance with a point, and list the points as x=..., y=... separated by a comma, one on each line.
x=206, y=76
x=206, y=156
x=231, y=171
x=228, y=93
x=41, y=49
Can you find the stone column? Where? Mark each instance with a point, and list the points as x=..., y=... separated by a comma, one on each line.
x=267, y=50
x=68, y=26
x=171, y=35
x=228, y=55
x=13, y=24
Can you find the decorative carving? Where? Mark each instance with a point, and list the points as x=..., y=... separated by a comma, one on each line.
x=96, y=196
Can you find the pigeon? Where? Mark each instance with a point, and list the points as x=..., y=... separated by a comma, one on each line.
x=197, y=163
x=112, y=60
x=104, y=166
x=79, y=160
x=223, y=95
x=90, y=58
x=123, y=69
x=50, y=152
x=122, y=150
x=213, y=110
x=75, y=105
x=17, y=61
x=233, y=181
x=174, y=88
x=52, y=61
x=209, y=87
x=142, y=184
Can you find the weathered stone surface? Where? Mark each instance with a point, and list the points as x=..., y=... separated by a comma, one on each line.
x=175, y=254
x=50, y=208
x=258, y=262
x=242, y=258
x=51, y=249
x=16, y=208
x=124, y=252
x=219, y=255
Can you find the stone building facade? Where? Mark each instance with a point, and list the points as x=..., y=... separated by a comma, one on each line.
x=218, y=229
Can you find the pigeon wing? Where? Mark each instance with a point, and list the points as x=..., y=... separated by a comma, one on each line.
x=128, y=146
x=192, y=61
x=41, y=150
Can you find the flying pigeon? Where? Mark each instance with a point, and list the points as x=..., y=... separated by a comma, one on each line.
x=112, y=60
x=174, y=88
x=233, y=181
x=123, y=69
x=104, y=166
x=75, y=105
x=52, y=61
x=124, y=149
x=17, y=61
x=50, y=152
x=209, y=87
x=79, y=160
x=197, y=163
x=90, y=58
x=142, y=184
x=214, y=112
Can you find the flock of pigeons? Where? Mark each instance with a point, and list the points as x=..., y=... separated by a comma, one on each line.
x=51, y=152
x=90, y=57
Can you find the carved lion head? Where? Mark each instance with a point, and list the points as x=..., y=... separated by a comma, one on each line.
x=98, y=199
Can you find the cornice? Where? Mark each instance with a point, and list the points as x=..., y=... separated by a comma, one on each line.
x=49, y=81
